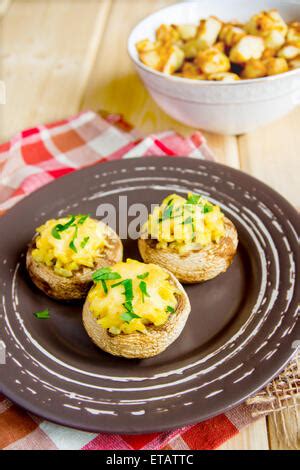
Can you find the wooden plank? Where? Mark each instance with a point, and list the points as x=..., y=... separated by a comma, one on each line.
x=254, y=437
x=114, y=85
x=48, y=48
x=4, y=6
x=272, y=155
x=284, y=429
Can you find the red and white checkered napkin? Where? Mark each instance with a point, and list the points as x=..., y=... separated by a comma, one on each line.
x=38, y=156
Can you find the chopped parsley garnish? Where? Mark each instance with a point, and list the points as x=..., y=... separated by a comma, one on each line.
x=127, y=306
x=104, y=285
x=84, y=242
x=188, y=220
x=143, y=276
x=62, y=227
x=72, y=242
x=128, y=316
x=70, y=223
x=55, y=233
x=43, y=315
x=143, y=288
x=170, y=309
x=208, y=208
x=105, y=274
x=82, y=218
x=193, y=199
x=167, y=213
x=128, y=293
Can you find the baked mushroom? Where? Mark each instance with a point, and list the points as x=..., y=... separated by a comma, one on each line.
x=190, y=237
x=135, y=310
x=65, y=252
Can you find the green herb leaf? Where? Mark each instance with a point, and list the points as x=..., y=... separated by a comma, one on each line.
x=170, y=309
x=43, y=315
x=193, y=199
x=55, y=233
x=62, y=227
x=143, y=276
x=188, y=220
x=208, y=208
x=117, y=284
x=128, y=316
x=104, y=285
x=128, y=306
x=143, y=288
x=105, y=274
x=82, y=218
x=128, y=293
x=128, y=290
x=84, y=242
x=72, y=244
x=167, y=212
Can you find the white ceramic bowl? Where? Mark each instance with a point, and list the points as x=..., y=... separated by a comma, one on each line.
x=227, y=108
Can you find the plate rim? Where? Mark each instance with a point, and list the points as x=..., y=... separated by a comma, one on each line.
x=31, y=407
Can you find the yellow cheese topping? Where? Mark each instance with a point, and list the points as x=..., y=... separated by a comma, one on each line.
x=69, y=243
x=185, y=224
x=131, y=295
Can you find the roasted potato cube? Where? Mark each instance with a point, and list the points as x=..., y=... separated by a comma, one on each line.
x=293, y=34
x=167, y=34
x=254, y=68
x=220, y=46
x=264, y=22
x=274, y=40
x=186, y=31
x=172, y=60
x=208, y=32
x=223, y=77
x=231, y=34
x=289, y=52
x=295, y=63
x=190, y=70
x=191, y=49
x=276, y=65
x=146, y=45
x=151, y=58
x=270, y=26
x=268, y=53
x=193, y=46
x=249, y=47
x=212, y=61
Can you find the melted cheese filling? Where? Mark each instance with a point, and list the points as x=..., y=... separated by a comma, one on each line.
x=184, y=225
x=70, y=249
x=108, y=305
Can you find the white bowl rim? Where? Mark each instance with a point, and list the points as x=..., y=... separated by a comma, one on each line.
x=200, y=83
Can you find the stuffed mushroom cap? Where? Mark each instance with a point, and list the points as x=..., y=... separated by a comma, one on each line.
x=65, y=252
x=138, y=312
x=190, y=237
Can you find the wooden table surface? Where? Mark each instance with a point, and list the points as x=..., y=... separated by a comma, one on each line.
x=62, y=56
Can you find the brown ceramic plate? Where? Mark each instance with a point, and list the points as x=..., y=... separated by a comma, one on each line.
x=241, y=332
